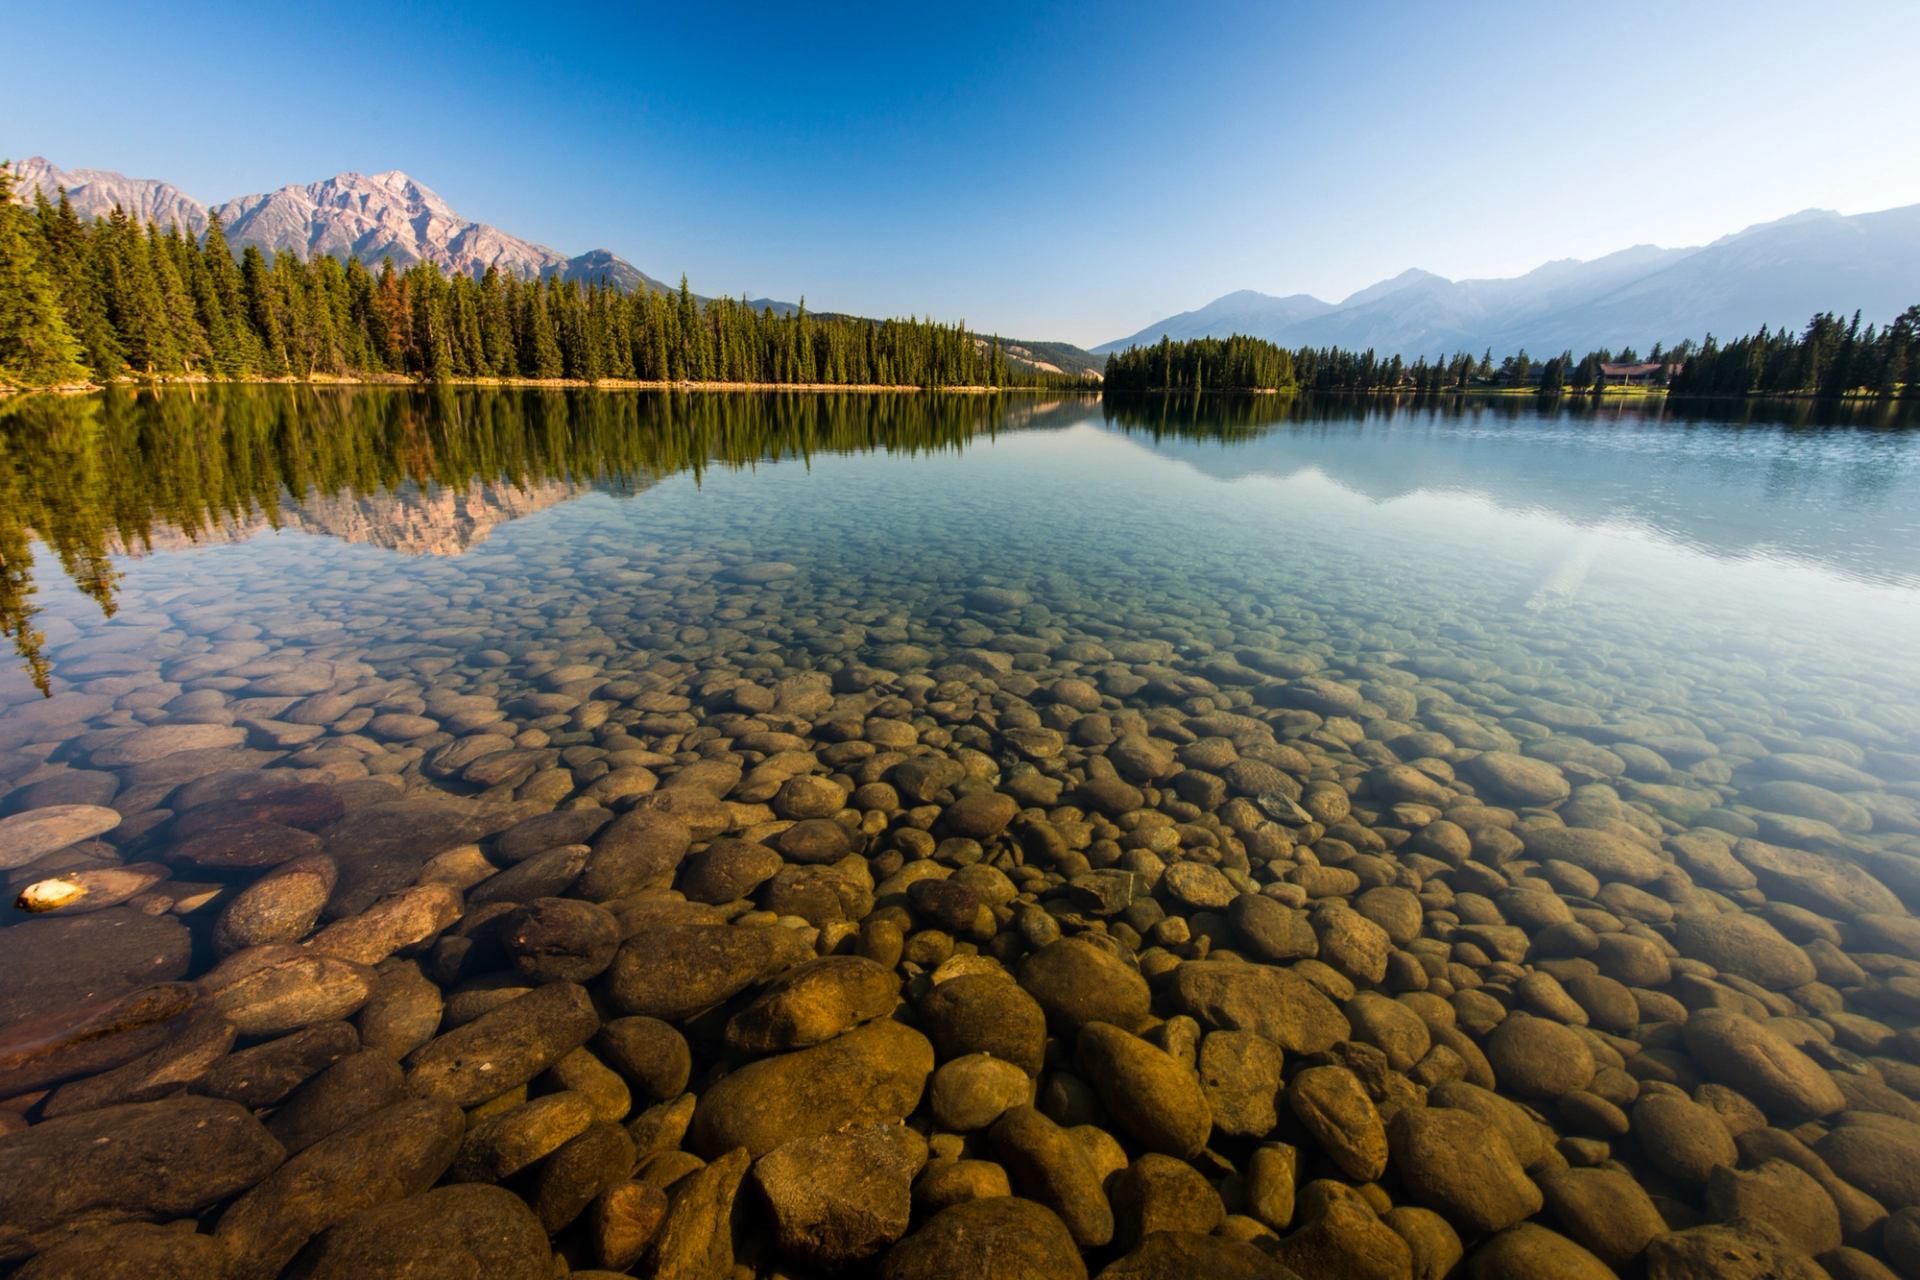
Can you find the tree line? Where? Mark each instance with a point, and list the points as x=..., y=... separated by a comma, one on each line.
x=114, y=298
x=1832, y=357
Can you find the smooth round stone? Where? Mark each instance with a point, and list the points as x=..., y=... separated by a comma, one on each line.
x=27, y=837
x=728, y=870
x=130, y=1250
x=990, y=1014
x=761, y=571
x=872, y=1074
x=814, y=841
x=1539, y=1057
x=272, y=989
x=1518, y=779
x=972, y=1092
x=838, y=1198
x=1151, y=1096
x=244, y=845
x=396, y=726
x=1003, y=1237
x=1529, y=1251
x=467, y=1229
x=1078, y=982
x=1685, y=1140
x=165, y=1159
x=53, y=963
x=1049, y=1165
x=651, y=1055
x=809, y=796
x=979, y=816
x=1332, y=1106
x=1602, y=853
x=282, y=906
x=1744, y=945
x=1604, y=1210
x=156, y=741
x=1760, y=1063
x=1198, y=885
x=813, y=1003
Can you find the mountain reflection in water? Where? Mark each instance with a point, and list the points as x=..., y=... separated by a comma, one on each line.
x=434, y=472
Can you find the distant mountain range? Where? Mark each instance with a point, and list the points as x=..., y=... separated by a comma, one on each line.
x=373, y=217
x=1776, y=273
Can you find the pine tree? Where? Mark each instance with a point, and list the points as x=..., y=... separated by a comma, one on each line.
x=263, y=311
x=37, y=348
x=132, y=297
x=541, y=356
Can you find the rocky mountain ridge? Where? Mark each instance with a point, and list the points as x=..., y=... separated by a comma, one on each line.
x=371, y=217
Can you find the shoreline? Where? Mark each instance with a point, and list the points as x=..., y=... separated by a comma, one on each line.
x=1085, y=387
x=603, y=384
x=1515, y=393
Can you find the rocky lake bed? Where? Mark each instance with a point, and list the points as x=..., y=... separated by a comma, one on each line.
x=913, y=852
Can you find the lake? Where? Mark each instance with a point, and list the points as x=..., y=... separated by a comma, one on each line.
x=593, y=805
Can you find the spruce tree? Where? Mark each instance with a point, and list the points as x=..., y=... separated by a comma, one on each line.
x=68, y=255
x=37, y=349
x=541, y=357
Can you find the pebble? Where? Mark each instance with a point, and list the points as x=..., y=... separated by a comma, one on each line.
x=1458, y=1165
x=1000, y=1236
x=839, y=1198
x=1152, y=1097
x=1048, y=1166
x=28, y=837
x=504, y=1047
x=1333, y=1107
x=468, y=1229
x=146, y=1160
x=397, y=1151
x=872, y=1074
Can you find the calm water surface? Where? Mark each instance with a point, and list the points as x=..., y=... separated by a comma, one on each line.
x=1627, y=562
x=1704, y=622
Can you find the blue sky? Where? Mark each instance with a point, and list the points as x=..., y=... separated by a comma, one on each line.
x=1045, y=170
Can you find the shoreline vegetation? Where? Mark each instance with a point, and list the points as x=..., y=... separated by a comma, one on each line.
x=96, y=302
x=1086, y=387
x=1832, y=358
x=403, y=382
x=113, y=301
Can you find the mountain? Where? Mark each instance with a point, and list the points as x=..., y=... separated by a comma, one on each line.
x=1241, y=312
x=369, y=217
x=95, y=192
x=1776, y=273
x=389, y=215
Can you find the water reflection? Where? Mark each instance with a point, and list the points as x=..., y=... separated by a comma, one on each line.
x=1837, y=485
x=435, y=472
x=414, y=471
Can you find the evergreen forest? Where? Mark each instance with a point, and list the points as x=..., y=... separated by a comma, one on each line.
x=1831, y=357
x=110, y=299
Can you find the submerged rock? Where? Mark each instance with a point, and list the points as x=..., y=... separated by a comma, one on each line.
x=142, y=1161
x=466, y=1230
x=870, y=1075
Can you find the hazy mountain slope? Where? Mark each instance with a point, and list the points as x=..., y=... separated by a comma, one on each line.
x=1775, y=273
x=1778, y=273
x=1244, y=311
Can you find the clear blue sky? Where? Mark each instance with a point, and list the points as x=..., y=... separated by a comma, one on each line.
x=1040, y=169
